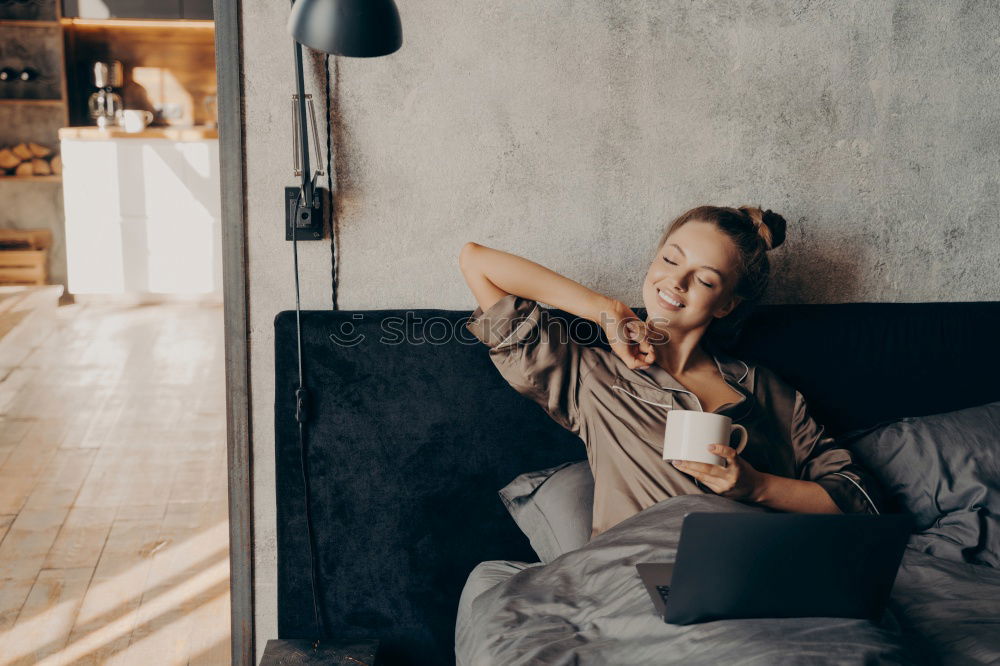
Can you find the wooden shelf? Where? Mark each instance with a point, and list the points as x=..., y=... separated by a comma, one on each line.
x=199, y=133
x=28, y=24
x=52, y=102
x=139, y=23
x=47, y=179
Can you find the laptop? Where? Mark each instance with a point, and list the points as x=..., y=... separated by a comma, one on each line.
x=746, y=565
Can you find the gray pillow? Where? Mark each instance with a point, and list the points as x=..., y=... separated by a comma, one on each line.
x=553, y=507
x=944, y=469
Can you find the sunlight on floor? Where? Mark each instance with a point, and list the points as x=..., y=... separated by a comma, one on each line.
x=175, y=593
x=114, y=540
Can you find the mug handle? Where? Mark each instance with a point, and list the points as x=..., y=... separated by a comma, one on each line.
x=744, y=436
x=148, y=116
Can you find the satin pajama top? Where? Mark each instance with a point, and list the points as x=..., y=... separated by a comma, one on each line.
x=620, y=414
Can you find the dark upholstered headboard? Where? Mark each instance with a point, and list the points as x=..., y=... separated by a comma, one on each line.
x=413, y=431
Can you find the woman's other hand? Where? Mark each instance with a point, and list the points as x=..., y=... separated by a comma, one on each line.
x=737, y=480
x=628, y=336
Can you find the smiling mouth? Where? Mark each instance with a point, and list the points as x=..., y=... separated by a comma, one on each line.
x=665, y=298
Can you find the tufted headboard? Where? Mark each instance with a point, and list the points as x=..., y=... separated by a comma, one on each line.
x=413, y=431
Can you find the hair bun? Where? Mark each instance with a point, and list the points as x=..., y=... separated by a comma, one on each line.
x=769, y=225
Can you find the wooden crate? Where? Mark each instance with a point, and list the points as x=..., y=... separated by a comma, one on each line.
x=24, y=255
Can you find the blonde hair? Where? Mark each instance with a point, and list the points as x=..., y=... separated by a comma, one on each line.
x=753, y=232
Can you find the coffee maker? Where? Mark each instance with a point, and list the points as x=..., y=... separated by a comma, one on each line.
x=105, y=104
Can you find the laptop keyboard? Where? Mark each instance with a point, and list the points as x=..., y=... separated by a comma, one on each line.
x=664, y=591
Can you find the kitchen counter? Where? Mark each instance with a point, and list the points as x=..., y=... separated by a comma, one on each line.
x=91, y=132
x=142, y=210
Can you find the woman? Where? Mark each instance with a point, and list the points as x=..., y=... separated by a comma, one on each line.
x=709, y=268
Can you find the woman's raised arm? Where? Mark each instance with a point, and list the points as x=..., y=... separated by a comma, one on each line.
x=492, y=274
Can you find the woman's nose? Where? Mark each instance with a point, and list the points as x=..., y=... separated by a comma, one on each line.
x=675, y=283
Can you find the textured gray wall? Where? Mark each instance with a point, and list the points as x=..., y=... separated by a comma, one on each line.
x=571, y=132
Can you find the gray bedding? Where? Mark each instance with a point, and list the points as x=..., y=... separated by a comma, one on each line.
x=589, y=606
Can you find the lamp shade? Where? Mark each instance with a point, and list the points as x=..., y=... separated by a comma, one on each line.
x=355, y=28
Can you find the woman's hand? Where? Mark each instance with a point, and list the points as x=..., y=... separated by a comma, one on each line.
x=737, y=480
x=628, y=336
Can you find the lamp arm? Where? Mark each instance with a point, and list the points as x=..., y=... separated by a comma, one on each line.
x=307, y=188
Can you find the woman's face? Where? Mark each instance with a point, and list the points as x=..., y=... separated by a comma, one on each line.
x=697, y=267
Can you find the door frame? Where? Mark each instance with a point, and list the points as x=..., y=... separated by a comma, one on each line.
x=229, y=76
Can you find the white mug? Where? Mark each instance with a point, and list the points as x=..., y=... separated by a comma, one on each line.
x=134, y=120
x=688, y=434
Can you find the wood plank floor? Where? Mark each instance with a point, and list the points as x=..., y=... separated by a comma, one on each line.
x=114, y=540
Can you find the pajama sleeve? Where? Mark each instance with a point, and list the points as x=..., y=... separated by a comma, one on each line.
x=819, y=458
x=536, y=354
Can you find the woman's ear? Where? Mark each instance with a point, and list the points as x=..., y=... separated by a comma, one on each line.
x=729, y=307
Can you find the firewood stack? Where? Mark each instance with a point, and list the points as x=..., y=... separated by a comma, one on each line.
x=24, y=255
x=29, y=159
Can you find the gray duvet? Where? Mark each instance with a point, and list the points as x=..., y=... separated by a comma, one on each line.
x=589, y=606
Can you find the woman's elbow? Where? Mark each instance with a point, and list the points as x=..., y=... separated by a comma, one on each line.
x=466, y=254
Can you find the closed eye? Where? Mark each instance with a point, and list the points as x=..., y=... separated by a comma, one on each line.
x=674, y=263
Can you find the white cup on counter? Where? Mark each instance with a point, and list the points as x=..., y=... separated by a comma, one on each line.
x=134, y=120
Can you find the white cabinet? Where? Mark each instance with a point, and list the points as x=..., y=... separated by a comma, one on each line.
x=142, y=215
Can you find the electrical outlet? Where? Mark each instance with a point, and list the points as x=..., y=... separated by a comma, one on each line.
x=307, y=222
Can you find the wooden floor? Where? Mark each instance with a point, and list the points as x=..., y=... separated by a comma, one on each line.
x=113, y=515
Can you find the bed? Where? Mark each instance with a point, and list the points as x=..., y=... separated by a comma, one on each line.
x=589, y=607
x=413, y=432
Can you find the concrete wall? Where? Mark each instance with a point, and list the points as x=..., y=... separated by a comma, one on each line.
x=571, y=131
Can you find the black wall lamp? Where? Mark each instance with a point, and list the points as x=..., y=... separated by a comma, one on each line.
x=357, y=29
x=353, y=28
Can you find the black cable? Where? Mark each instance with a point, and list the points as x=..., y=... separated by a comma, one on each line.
x=329, y=187
x=306, y=194
x=298, y=307
x=301, y=415
x=317, y=615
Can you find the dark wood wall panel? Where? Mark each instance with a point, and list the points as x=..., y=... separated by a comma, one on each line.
x=31, y=122
x=142, y=9
x=139, y=9
x=28, y=10
x=37, y=47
